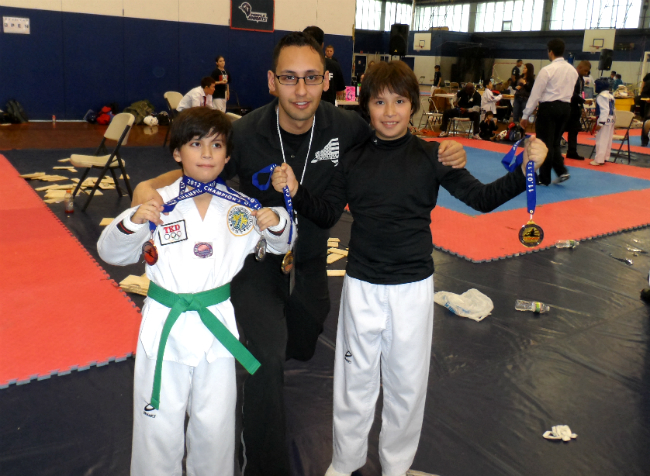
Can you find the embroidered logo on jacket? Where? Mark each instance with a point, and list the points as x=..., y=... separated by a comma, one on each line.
x=329, y=152
x=172, y=232
x=240, y=220
x=203, y=249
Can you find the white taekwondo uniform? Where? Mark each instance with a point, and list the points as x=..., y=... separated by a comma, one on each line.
x=606, y=111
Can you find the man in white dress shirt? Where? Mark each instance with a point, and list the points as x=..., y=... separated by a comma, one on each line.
x=199, y=96
x=552, y=91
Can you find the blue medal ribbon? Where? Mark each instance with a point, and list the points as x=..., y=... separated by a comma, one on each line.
x=200, y=188
x=511, y=161
x=285, y=192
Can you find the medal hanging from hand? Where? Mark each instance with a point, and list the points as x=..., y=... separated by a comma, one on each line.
x=287, y=261
x=531, y=234
x=149, y=252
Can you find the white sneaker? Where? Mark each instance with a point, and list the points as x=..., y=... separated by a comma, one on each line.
x=476, y=136
x=443, y=134
x=332, y=472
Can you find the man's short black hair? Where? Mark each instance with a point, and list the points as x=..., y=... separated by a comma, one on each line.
x=201, y=122
x=207, y=81
x=317, y=33
x=556, y=46
x=618, y=76
x=297, y=38
x=613, y=72
x=520, y=61
x=437, y=67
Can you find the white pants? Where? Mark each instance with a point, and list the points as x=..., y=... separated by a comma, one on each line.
x=604, y=143
x=219, y=103
x=208, y=394
x=385, y=328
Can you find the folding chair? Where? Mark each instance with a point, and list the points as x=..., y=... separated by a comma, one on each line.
x=117, y=131
x=460, y=125
x=431, y=117
x=453, y=87
x=232, y=116
x=173, y=99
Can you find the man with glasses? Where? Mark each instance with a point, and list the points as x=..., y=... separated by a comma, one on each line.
x=277, y=324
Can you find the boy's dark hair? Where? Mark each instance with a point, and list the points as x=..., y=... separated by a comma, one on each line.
x=396, y=77
x=201, y=122
x=317, y=33
x=613, y=72
x=489, y=113
x=207, y=81
x=216, y=60
x=297, y=38
x=329, y=46
x=618, y=76
x=556, y=46
x=520, y=61
x=437, y=67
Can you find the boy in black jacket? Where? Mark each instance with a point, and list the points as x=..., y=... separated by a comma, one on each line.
x=488, y=127
x=385, y=326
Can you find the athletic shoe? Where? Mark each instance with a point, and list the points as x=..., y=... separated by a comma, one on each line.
x=332, y=472
x=476, y=136
x=443, y=134
x=562, y=178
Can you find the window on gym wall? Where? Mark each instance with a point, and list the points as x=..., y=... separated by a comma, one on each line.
x=592, y=14
x=455, y=17
x=514, y=15
x=369, y=14
x=397, y=13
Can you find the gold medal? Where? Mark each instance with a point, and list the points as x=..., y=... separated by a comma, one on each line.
x=287, y=263
x=531, y=234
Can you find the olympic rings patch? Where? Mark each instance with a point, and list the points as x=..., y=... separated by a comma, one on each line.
x=172, y=232
x=240, y=220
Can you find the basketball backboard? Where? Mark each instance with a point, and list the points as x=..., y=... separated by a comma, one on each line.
x=422, y=41
x=596, y=40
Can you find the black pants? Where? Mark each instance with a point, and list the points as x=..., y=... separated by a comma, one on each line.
x=263, y=308
x=455, y=112
x=549, y=127
x=573, y=127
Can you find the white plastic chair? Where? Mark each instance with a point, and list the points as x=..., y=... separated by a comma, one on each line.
x=117, y=131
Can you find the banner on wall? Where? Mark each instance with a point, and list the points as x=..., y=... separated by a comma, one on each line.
x=255, y=15
x=15, y=25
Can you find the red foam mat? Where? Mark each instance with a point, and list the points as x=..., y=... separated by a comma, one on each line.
x=495, y=235
x=59, y=310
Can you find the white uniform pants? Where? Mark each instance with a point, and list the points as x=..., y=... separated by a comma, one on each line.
x=208, y=394
x=385, y=328
x=604, y=142
x=220, y=104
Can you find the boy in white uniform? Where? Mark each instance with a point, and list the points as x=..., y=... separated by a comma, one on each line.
x=489, y=100
x=188, y=335
x=606, y=112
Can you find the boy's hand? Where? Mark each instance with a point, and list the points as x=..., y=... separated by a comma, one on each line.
x=149, y=211
x=266, y=218
x=451, y=154
x=284, y=176
x=536, y=151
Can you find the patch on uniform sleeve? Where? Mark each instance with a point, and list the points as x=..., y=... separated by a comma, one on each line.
x=240, y=220
x=170, y=233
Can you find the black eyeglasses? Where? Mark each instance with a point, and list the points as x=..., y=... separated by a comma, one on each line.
x=291, y=80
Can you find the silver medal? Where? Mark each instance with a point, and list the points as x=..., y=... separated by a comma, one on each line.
x=260, y=249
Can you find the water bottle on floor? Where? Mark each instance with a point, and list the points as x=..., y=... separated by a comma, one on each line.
x=534, y=306
x=567, y=244
x=68, y=200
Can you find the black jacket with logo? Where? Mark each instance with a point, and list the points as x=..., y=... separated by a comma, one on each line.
x=256, y=146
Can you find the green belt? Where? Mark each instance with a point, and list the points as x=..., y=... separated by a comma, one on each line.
x=199, y=302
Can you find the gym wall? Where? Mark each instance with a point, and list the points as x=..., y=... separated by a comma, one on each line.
x=84, y=54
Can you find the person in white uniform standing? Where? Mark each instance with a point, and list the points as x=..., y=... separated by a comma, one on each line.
x=188, y=337
x=606, y=112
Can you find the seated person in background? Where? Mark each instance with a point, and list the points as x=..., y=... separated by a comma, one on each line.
x=199, y=96
x=612, y=78
x=490, y=99
x=617, y=82
x=488, y=127
x=469, y=105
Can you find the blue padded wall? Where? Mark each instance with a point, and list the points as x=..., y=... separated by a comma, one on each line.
x=72, y=62
x=93, y=62
x=31, y=66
